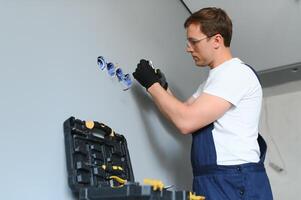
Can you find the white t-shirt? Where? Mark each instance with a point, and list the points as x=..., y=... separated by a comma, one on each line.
x=235, y=133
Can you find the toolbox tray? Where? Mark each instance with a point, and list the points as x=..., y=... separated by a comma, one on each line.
x=99, y=166
x=94, y=153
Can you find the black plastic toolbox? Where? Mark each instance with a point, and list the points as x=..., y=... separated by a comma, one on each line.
x=133, y=192
x=99, y=166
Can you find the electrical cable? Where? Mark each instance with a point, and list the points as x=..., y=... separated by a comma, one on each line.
x=273, y=165
x=184, y=4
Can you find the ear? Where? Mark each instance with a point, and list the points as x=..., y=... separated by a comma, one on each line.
x=218, y=41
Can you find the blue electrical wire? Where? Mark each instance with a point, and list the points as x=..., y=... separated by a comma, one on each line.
x=111, y=69
x=101, y=62
x=119, y=74
x=127, y=82
x=124, y=79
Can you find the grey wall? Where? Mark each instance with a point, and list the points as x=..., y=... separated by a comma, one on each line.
x=265, y=33
x=48, y=72
x=280, y=125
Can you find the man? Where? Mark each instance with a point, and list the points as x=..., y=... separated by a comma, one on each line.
x=227, y=152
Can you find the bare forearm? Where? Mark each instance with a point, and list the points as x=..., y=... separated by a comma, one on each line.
x=187, y=102
x=191, y=115
x=172, y=108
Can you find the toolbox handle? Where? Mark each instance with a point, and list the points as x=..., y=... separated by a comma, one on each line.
x=104, y=128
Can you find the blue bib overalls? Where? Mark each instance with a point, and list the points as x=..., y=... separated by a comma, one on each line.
x=219, y=182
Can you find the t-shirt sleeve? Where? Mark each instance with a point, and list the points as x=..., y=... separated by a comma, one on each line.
x=198, y=91
x=230, y=85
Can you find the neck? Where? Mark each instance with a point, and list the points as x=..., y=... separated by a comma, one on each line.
x=221, y=57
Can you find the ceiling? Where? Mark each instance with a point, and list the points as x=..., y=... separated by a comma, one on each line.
x=266, y=34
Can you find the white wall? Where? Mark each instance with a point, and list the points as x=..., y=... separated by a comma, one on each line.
x=280, y=125
x=48, y=72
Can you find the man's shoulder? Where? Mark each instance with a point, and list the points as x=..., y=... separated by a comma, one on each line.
x=239, y=68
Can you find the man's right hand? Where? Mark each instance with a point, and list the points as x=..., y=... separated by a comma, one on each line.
x=146, y=75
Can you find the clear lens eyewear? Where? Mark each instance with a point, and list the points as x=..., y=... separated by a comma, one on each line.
x=193, y=42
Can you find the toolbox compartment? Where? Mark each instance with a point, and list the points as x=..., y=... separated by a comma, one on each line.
x=99, y=166
x=94, y=154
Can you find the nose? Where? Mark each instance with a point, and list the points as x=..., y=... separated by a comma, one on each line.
x=189, y=49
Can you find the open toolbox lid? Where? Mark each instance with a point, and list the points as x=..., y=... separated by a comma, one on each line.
x=99, y=166
x=96, y=155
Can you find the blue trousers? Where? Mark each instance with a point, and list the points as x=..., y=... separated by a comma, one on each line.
x=246, y=182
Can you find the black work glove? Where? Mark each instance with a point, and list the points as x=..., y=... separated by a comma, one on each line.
x=146, y=75
x=162, y=79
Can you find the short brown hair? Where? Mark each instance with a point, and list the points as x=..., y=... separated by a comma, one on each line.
x=213, y=21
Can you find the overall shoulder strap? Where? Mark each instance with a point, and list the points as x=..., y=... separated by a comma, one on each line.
x=260, y=140
x=253, y=71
